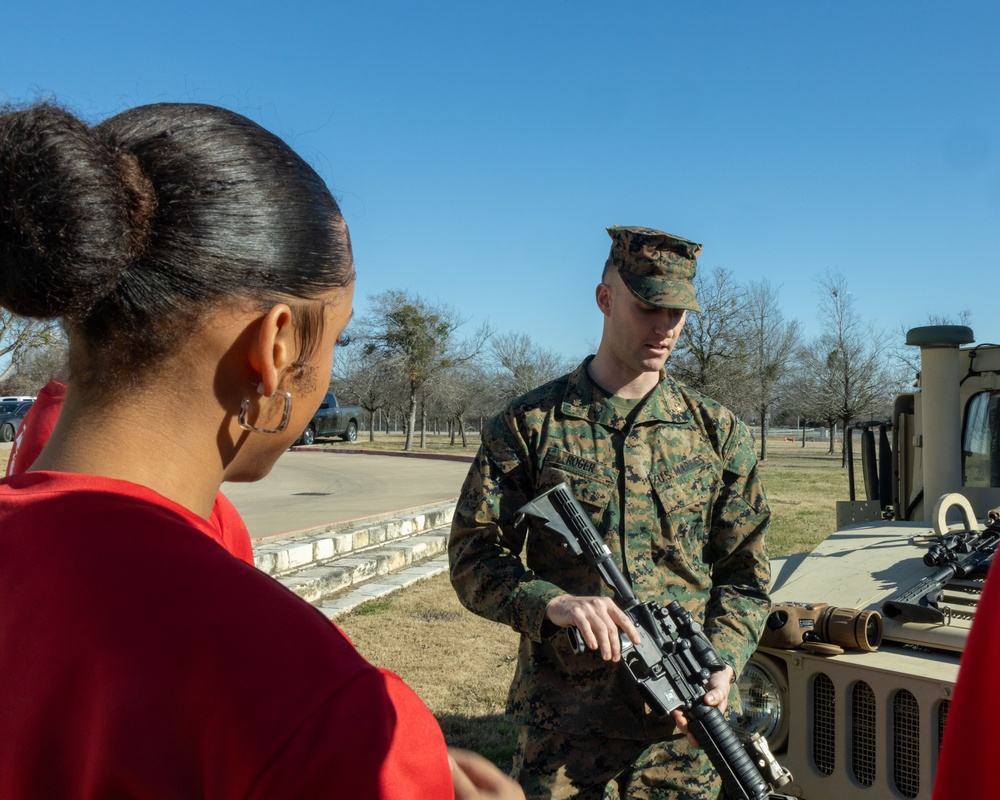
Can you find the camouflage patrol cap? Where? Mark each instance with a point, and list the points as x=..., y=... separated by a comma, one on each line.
x=657, y=267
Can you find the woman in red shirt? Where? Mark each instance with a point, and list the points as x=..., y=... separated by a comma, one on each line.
x=204, y=273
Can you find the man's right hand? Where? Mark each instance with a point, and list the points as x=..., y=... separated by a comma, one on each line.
x=597, y=618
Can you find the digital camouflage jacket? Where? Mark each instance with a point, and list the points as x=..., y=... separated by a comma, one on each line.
x=678, y=498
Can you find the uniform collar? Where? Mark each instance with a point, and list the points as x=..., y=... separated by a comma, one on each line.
x=584, y=399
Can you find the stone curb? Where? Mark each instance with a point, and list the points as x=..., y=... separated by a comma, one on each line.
x=319, y=583
x=282, y=555
x=397, y=453
x=381, y=587
x=338, y=567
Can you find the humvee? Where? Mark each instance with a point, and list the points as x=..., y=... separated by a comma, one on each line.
x=869, y=722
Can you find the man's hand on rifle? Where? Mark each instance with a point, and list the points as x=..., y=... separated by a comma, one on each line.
x=716, y=694
x=598, y=620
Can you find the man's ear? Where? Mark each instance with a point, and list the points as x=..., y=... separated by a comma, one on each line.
x=603, y=295
x=273, y=349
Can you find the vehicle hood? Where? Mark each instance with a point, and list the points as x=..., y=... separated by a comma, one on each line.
x=863, y=565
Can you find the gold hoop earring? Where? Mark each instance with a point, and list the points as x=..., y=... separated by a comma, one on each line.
x=285, y=414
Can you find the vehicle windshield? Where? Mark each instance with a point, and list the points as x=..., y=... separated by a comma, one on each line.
x=981, y=441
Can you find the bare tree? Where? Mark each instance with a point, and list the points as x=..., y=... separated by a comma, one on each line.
x=816, y=384
x=19, y=336
x=771, y=345
x=461, y=391
x=521, y=365
x=711, y=356
x=420, y=338
x=366, y=379
x=851, y=356
x=38, y=365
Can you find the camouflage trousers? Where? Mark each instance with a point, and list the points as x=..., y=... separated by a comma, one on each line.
x=551, y=765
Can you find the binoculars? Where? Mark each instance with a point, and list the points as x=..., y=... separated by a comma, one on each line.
x=821, y=628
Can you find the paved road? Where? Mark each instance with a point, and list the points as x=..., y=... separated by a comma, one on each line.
x=308, y=489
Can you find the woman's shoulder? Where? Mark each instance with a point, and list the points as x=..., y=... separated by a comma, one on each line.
x=121, y=549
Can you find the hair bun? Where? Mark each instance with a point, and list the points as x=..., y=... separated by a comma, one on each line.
x=73, y=215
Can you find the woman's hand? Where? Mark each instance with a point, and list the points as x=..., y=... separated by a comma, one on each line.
x=477, y=778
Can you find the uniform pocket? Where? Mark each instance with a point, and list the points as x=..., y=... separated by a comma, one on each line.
x=586, y=479
x=686, y=501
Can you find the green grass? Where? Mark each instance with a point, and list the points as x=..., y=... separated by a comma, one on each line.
x=373, y=607
x=802, y=487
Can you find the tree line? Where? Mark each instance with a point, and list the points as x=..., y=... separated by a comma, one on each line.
x=742, y=351
x=408, y=359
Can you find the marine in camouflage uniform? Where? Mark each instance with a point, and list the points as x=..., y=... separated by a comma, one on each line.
x=671, y=481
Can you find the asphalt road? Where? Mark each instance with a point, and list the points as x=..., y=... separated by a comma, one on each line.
x=307, y=489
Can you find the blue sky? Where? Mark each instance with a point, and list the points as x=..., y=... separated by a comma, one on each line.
x=479, y=149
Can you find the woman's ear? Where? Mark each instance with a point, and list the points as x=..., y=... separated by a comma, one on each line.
x=272, y=350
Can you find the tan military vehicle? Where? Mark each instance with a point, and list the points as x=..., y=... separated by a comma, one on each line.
x=852, y=697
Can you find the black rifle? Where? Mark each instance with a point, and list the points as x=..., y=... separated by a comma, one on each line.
x=673, y=663
x=959, y=555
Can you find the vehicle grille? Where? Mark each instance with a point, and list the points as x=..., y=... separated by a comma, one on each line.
x=865, y=727
x=824, y=731
x=906, y=743
x=942, y=716
x=863, y=734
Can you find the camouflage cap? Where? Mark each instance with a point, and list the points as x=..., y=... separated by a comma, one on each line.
x=657, y=267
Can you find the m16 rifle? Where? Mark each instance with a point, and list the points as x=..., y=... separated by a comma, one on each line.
x=675, y=659
x=967, y=554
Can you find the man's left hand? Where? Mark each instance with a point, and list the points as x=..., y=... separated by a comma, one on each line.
x=716, y=694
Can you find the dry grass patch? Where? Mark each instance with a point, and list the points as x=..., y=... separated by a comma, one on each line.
x=460, y=664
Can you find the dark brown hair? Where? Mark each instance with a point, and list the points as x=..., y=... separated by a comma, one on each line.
x=128, y=228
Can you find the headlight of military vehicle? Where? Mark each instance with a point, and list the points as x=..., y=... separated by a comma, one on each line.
x=763, y=690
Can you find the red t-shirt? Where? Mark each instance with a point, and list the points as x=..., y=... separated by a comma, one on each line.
x=36, y=427
x=228, y=528
x=138, y=659
x=965, y=763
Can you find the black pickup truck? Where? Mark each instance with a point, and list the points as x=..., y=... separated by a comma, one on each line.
x=332, y=419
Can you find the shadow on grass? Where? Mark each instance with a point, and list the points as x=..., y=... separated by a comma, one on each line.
x=493, y=736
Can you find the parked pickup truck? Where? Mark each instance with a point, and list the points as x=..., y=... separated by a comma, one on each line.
x=332, y=419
